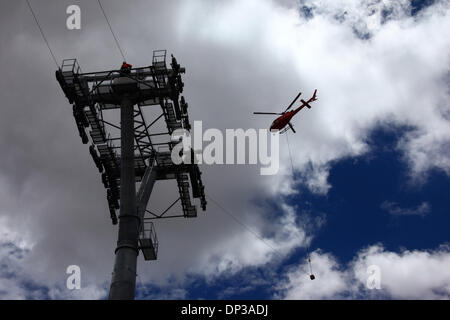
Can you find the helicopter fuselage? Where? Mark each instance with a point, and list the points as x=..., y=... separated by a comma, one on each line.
x=283, y=120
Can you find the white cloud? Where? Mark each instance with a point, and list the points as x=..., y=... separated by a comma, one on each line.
x=17, y=282
x=412, y=274
x=393, y=208
x=240, y=56
x=316, y=179
x=88, y=292
x=253, y=249
x=388, y=79
x=330, y=280
x=365, y=16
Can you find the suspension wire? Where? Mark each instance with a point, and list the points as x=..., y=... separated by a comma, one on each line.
x=42, y=33
x=242, y=224
x=290, y=155
x=245, y=227
x=110, y=28
x=308, y=255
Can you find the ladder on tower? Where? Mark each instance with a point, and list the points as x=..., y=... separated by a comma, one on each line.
x=159, y=68
x=189, y=210
x=171, y=120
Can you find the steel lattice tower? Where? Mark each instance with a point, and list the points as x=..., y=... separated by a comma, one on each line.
x=138, y=159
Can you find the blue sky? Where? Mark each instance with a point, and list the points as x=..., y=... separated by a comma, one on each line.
x=355, y=217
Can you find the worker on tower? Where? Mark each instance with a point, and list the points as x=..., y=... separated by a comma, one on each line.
x=126, y=68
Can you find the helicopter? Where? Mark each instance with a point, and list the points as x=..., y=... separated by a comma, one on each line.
x=285, y=117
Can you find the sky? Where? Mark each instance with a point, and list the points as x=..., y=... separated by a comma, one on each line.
x=370, y=161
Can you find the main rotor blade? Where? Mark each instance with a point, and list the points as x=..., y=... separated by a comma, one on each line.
x=296, y=98
x=272, y=113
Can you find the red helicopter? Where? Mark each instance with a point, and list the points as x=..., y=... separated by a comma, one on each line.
x=285, y=117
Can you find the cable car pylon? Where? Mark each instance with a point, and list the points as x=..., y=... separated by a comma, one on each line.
x=138, y=158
